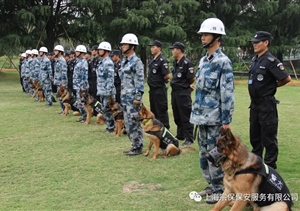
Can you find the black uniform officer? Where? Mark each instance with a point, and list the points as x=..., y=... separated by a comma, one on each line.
x=265, y=75
x=96, y=61
x=158, y=76
x=183, y=77
x=71, y=64
x=116, y=57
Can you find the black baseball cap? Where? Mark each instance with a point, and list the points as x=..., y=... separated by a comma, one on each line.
x=261, y=36
x=156, y=43
x=115, y=52
x=178, y=45
x=95, y=47
x=89, y=52
x=72, y=52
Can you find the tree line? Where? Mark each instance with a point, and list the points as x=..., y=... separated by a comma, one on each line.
x=27, y=24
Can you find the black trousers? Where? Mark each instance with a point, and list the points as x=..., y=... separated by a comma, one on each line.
x=159, y=104
x=118, y=93
x=93, y=88
x=263, y=130
x=182, y=107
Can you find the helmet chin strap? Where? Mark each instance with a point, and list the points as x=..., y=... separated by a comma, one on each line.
x=215, y=36
x=130, y=47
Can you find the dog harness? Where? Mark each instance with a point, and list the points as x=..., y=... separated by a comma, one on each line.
x=164, y=135
x=272, y=187
x=73, y=103
x=98, y=108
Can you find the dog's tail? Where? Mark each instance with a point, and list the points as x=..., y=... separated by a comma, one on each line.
x=186, y=149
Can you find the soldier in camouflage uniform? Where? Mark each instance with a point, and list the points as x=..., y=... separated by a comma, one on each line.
x=26, y=74
x=132, y=90
x=46, y=76
x=60, y=71
x=214, y=103
x=105, y=83
x=80, y=78
x=35, y=68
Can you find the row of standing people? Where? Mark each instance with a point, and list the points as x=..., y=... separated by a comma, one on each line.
x=214, y=98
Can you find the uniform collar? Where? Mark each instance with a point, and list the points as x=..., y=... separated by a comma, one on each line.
x=128, y=58
x=180, y=61
x=267, y=53
x=213, y=55
x=157, y=58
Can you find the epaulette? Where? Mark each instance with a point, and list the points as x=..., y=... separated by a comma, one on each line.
x=271, y=59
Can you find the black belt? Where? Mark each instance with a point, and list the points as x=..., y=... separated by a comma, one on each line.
x=262, y=100
x=179, y=88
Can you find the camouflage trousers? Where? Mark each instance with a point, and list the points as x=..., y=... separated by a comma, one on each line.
x=47, y=87
x=26, y=84
x=133, y=126
x=208, y=136
x=79, y=105
x=108, y=117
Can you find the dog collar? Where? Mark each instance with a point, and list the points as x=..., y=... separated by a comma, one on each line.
x=147, y=122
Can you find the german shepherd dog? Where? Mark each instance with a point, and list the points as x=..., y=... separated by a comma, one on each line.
x=159, y=136
x=245, y=175
x=92, y=107
x=38, y=89
x=68, y=100
x=118, y=115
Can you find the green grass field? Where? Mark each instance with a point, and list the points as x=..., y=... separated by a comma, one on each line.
x=50, y=162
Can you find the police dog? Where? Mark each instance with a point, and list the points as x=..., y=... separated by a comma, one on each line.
x=245, y=175
x=159, y=136
x=92, y=107
x=38, y=89
x=68, y=100
x=118, y=115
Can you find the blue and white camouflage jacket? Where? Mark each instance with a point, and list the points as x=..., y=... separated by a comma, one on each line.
x=46, y=70
x=60, y=71
x=105, y=77
x=80, y=75
x=35, y=69
x=132, y=79
x=214, y=101
x=27, y=72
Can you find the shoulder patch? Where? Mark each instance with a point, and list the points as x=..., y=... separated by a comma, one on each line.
x=271, y=59
x=191, y=69
x=185, y=61
x=161, y=59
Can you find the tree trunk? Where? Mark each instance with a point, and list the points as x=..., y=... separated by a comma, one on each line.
x=280, y=56
x=50, y=27
x=144, y=59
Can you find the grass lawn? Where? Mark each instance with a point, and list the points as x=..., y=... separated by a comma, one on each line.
x=50, y=162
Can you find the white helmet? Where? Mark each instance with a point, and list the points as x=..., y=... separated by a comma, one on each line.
x=28, y=52
x=130, y=39
x=81, y=48
x=43, y=49
x=59, y=48
x=213, y=26
x=23, y=55
x=104, y=46
x=35, y=52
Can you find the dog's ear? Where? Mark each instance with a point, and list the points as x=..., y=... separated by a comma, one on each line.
x=228, y=133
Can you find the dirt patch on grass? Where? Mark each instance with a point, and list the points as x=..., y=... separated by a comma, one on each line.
x=134, y=186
